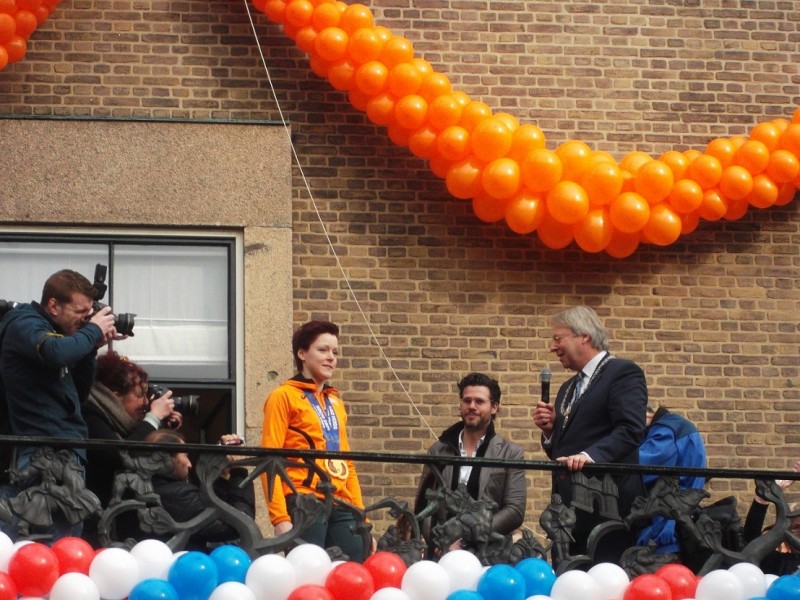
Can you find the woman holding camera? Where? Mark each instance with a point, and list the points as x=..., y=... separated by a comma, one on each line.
x=306, y=412
x=118, y=408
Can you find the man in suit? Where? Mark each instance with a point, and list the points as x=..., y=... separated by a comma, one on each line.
x=598, y=417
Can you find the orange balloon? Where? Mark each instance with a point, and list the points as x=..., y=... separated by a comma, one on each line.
x=721, y=149
x=8, y=27
x=736, y=182
x=41, y=14
x=380, y=108
x=766, y=133
x=8, y=7
x=453, y=143
x=397, y=50
x=510, y=120
x=355, y=17
x=342, y=75
x=553, y=234
x=399, y=135
x=622, y=245
x=567, y=202
x=290, y=31
x=633, y=161
x=541, y=170
x=298, y=13
x=677, y=162
x=603, y=183
x=783, y=166
x=325, y=15
x=524, y=139
x=714, y=205
x=786, y=194
x=331, y=43
x=686, y=195
x=473, y=113
x=629, y=212
x=440, y=165
x=653, y=181
x=423, y=66
x=462, y=98
x=796, y=115
x=434, y=85
x=464, y=178
x=422, y=142
x=410, y=111
x=663, y=227
x=491, y=139
x=524, y=213
x=692, y=154
x=371, y=77
x=306, y=39
x=3, y=58
x=753, y=156
x=501, y=178
x=600, y=157
x=594, y=231
x=764, y=193
x=383, y=32
x=736, y=209
x=404, y=79
x=705, y=170
x=790, y=139
x=365, y=45
x=358, y=99
x=16, y=48
x=689, y=223
x=319, y=66
x=575, y=157
x=488, y=209
x=444, y=111
x=30, y=5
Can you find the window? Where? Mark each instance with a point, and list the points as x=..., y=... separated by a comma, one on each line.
x=181, y=289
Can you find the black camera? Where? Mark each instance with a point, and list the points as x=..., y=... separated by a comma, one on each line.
x=186, y=405
x=5, y=306
x=123, y=322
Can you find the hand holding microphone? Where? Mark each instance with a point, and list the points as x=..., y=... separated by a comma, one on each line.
x=544, y=414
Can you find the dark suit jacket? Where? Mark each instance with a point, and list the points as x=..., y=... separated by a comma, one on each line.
x=608, y=423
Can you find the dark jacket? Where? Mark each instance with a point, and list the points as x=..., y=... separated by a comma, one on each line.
x=506, y=487
x=608, y=423
x=183, y=501
x=46, y=374
x=776, y=562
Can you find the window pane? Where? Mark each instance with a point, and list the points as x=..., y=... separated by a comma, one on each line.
x=179, y=295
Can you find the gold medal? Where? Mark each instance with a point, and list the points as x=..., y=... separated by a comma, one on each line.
x=336, y=468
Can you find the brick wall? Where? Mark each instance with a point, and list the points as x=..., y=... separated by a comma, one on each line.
x=713, y=319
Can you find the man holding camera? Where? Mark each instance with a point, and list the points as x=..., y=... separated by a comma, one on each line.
x=47, y=361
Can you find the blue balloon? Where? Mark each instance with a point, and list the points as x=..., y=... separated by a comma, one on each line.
x=464, y=595
x=538, y=576
x=194, y=576
x=785, y=588
x=153, y=589
x=232, y=563
x=502, y=582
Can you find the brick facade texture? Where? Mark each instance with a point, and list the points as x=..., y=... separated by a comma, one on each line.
x=423, y=290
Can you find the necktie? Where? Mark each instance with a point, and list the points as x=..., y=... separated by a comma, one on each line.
x=579, y=384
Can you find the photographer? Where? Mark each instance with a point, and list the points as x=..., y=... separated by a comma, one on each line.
x=47, y=358
x=120, y=408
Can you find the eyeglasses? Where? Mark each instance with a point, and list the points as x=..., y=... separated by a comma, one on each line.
x=556, y=339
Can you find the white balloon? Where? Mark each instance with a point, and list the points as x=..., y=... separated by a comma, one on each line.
x=7, y=553
x=538, y=597
x=154, y=558
x=116, y=572
x=575, y=585
x=719, y=585
x=74, y=586
x=770, y=579
x=232, y=590
x=753, y=581
x=426, y=580
x=271, y=577
x=611, y=580
x=463, y=568
x=311, y=564
x=389, y=593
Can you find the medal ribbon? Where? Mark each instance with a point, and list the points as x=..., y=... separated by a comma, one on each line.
x=327, y=420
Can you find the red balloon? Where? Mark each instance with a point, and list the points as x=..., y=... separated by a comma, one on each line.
x=310, y=591
x=34, y=569
x=350, y=581
x=647, y=587
x=74, y=555
x=387, y=569
x=8, y=589
x=681, y=580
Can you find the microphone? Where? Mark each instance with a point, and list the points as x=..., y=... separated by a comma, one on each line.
x=544, y=379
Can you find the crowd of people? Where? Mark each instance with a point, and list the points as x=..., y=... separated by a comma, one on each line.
x=55, y=385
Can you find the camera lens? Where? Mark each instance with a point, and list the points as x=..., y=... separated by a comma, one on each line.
x=187, y=405
x=123, y=323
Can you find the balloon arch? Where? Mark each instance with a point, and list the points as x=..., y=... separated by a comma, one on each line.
x=571, y=193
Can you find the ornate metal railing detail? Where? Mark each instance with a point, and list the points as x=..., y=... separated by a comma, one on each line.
x=53, y=486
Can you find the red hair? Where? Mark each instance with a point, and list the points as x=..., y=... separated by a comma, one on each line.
x=119, y=374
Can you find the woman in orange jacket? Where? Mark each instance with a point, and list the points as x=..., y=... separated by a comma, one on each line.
x=305, y=412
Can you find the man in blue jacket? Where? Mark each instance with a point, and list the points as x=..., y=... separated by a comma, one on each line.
x=47, y=359
x=671, y=441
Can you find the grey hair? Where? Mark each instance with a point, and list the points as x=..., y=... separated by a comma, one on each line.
x=582, y=320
